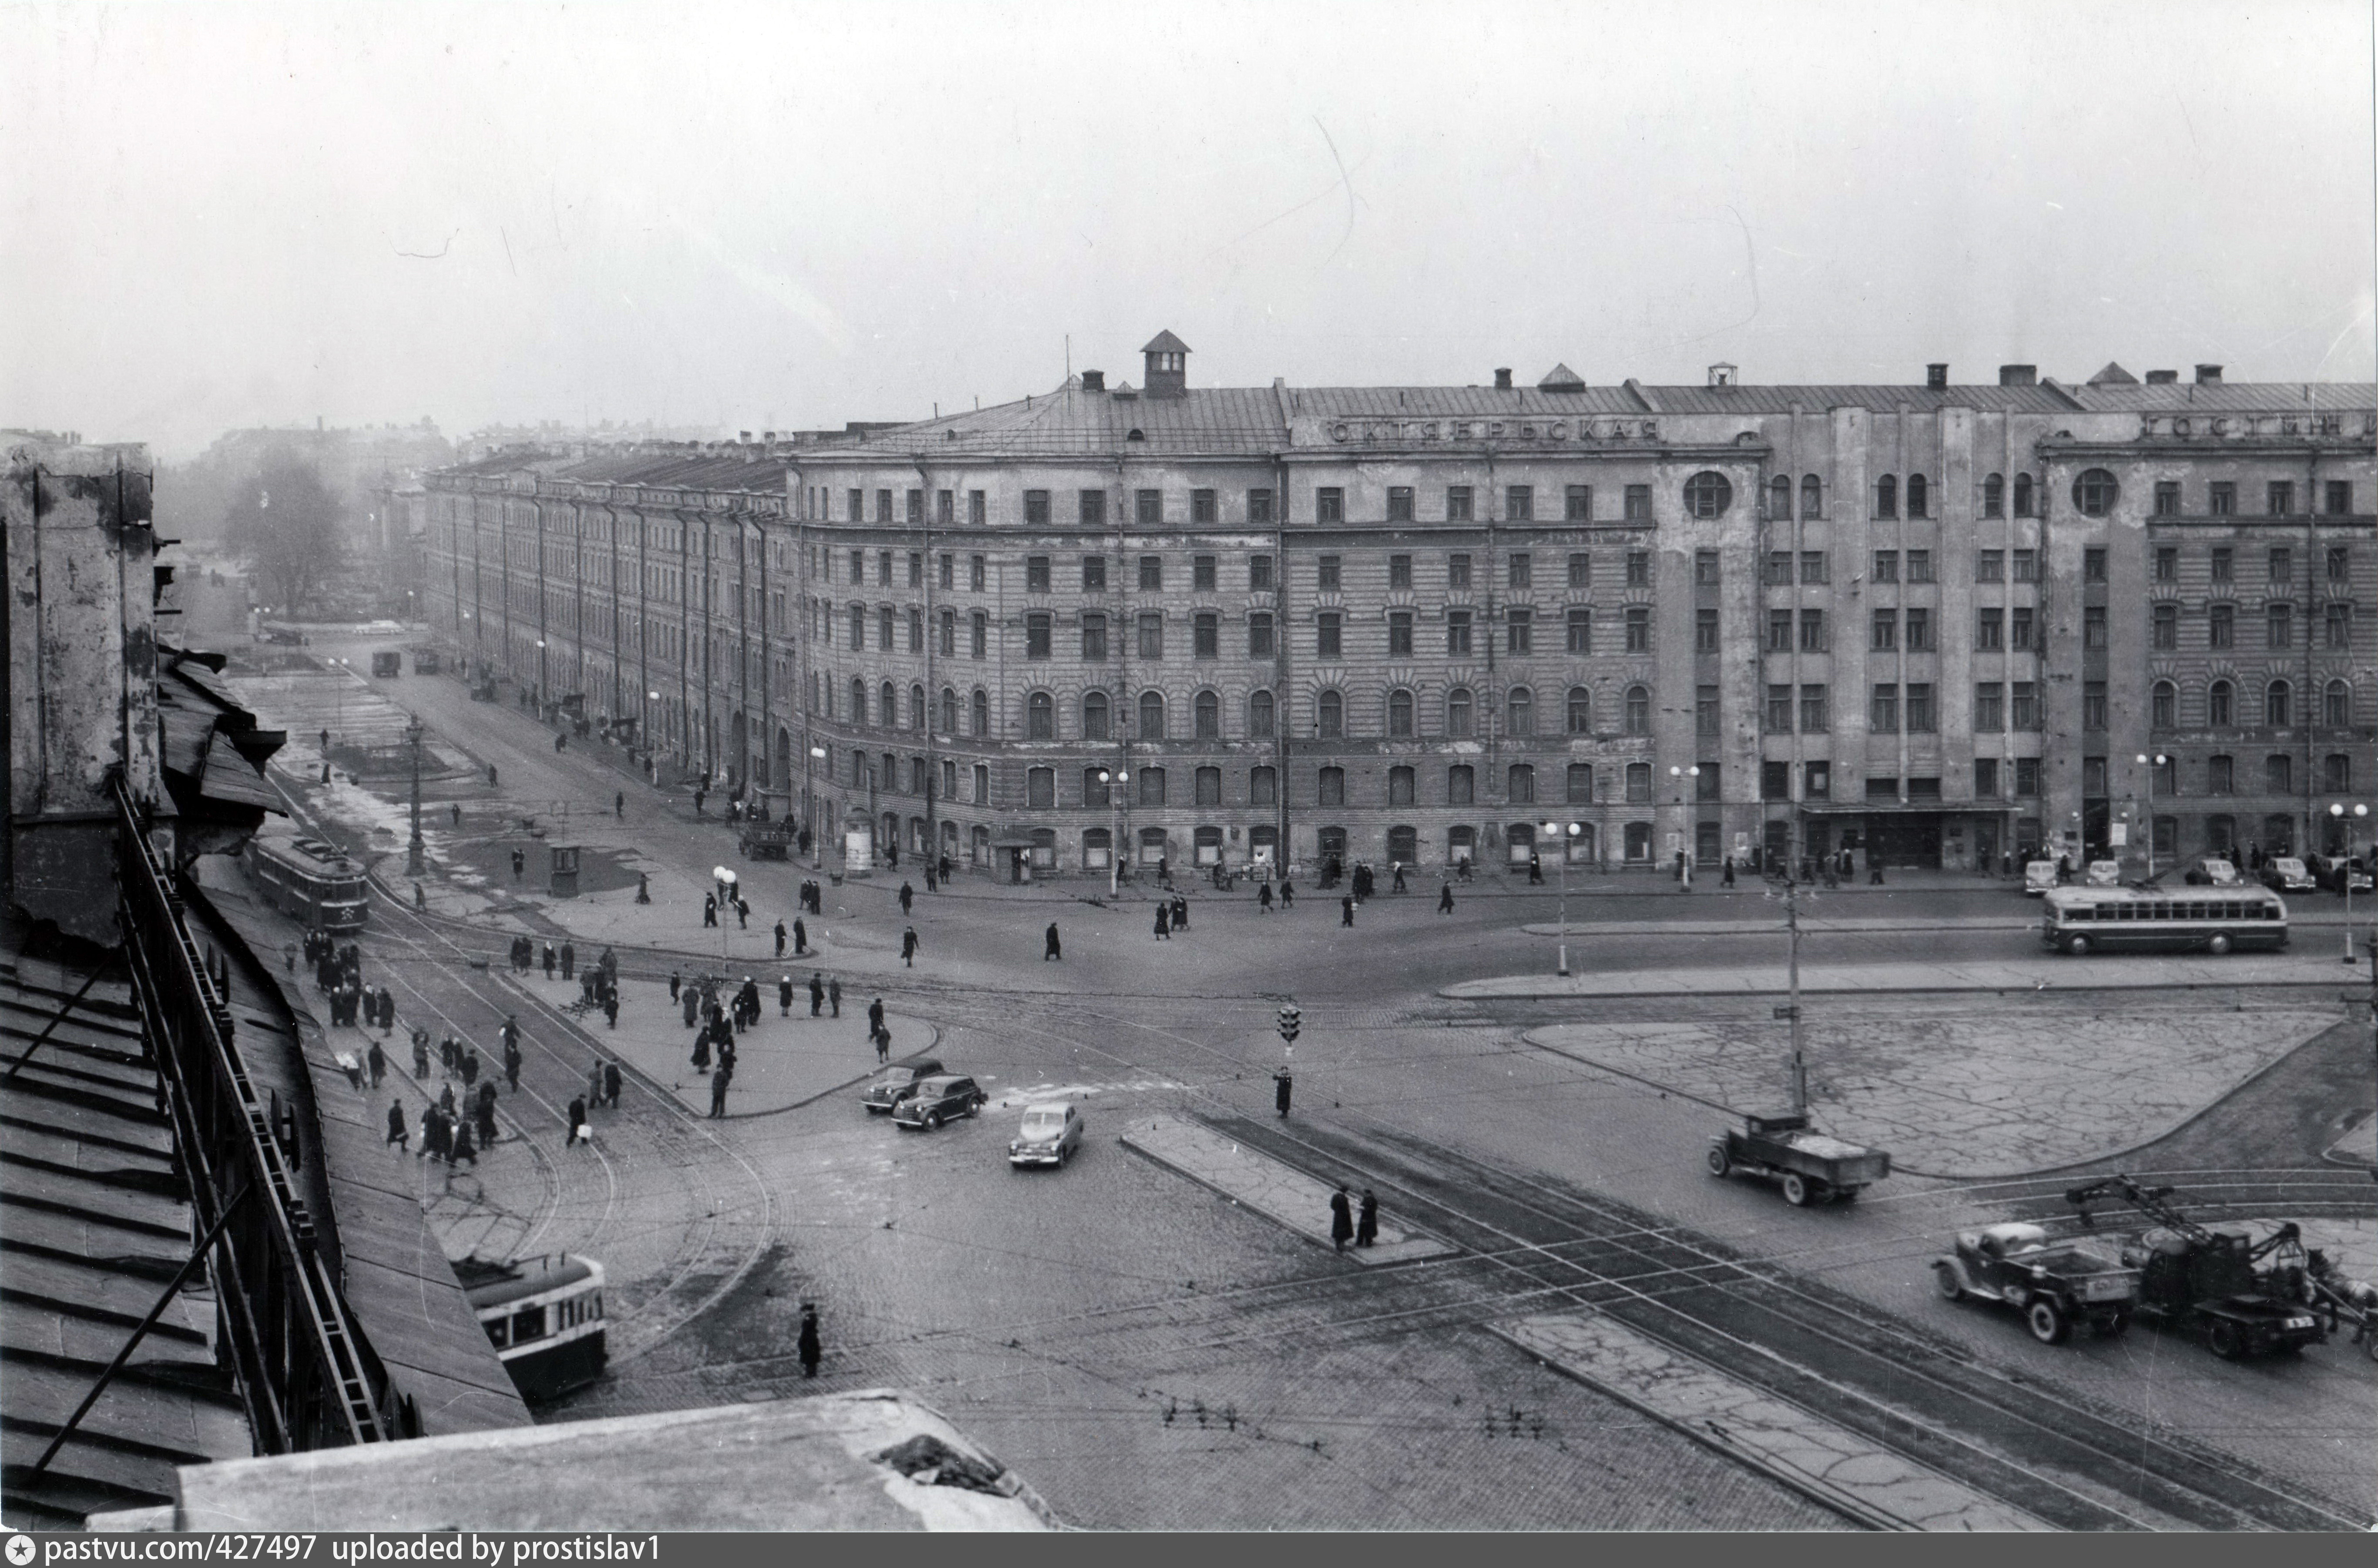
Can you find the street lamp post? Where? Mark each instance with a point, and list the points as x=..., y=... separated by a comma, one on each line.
x=339, y=699
x=413, y=850
x=1684, y=855
x=726, y=880
x=2146, y=825
x=1792, y=1008
x=2338, y=812
x=1114, y=779
x=1563, y=834
x=809, y=807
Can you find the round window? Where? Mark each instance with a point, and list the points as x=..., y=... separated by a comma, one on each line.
x=2093, y=493
x=1707, y=495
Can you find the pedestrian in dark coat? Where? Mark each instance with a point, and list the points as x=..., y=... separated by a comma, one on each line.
x=1049, y=946
x=619, y=805
x=719, y=1092
x=470, y=1067
x=908, y=899
x=908, y=947
x=691, y=1003
x=1346, y=905
x=512, y=1065
x=610, y=1010
x=1726, y=880
x=568, y=960
x=397, y=1133
x=702, y=1050
x=780, y=939
x=1163, y=921
x=464, y=1148
x=1262, y=898
x=875, y=1016
x=1180, y=914
x=1445, y=899
x=520, y=863
x=742, y=915
x=1399, y=878
x=378, y=1061
x=817, y=993
x=487, y=1117
x=421, y=1053
x=438, y=1133
x=1367, y=1225
x=784, y=995
x=677, y=984
x=611, y=1081
x=1341, y=1217
x=801, y=938
x=512, y=1030
x=833, y=996
x=811, y=1352
x=449, y=1052
x=709, y=909
x=548, y=958
x=1287, y=894
x=1536, y=869
x=578, y=1127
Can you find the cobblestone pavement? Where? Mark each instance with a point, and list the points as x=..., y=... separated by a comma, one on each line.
x=1956, y=1091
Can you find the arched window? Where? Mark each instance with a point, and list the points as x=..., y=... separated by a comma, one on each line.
x=1993, y=497
x=1399, y=714
x=1040, y=717
x=2165, y=706
x=1093, y=716
x=1812, y=496
x=1457, y=713
x=1919, y=494
x=917, y=715
x=2023, y=498
x=1259, y=716
x=1638, y=710
x=858, y=701
x=890, y=712
x=2338, y=708
x=2275, y=705
x=1580, y=709
x=949, y=711
x=1151, y=715
x=2094, y=492
x=1521, y=706
x=1779, y=496
x=1330, y=712
x=2220, y=709
x=981, y=714
x=1707, y=495
x=1208, y=710
x=1886, y=496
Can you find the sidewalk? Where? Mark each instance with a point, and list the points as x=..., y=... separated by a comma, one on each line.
x=1281, y=1193
x=2046, y=972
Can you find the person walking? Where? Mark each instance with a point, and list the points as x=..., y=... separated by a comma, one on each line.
x=701, y=1057
x=718, y=1081
x=1726, y=878
x=568, y=960
x=1535, y=869
x=677, y=984
x=691, y=1004
x=619, y=805
x=784, y=995
x=580, y=1132
x=1050, y=948
x=1399, y=879
x=709, y=910
x=908, y=947
x=1346, y=908
x=908, y=899
x=376, y=1060
x=420, y=1054
x=1179, y=912
x=462, y=1149
x=1262, y=898
x=1444, y=897
x=611, y=1084
x=511, y=1031
x=807, y=1343
x=549, y=960
x=398, y=1134
x=876, y=1018
x=833, y=996
x=1366, y=1224
x=1286, y=894
x=487, y=1110
x=780, y=939
x=1163, y=921
x=470, y=1065
x=512, y=1065
x=1342, y=1218
x=817, y=993
x=610, y=1007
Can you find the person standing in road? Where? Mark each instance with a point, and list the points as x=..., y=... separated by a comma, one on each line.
x=784, y=995
x=1346, y=906
x=548, y=960
x=1163, y=921
x=610, y=1007
x=580, y=1132
x=568, y=961
x=780, y=939
x=398, y=1134
x=1049, y=946
x=908, y=899
x=876, y=1018
x=718, y=1081
x=908, y=947
x=800, y=937
x=817, y=993
x=462, y=1149
x=1444, y=897
x=619, y=805
x=677, y=984
x=1535, y=869
x=811, y=1352
x=611, y=1081
x=833, y=996
x=376, y=1060
x=1366, y=1223
x=709, y=910
x=1262, y=898
x=470, y=1065
x=511, y=1032
x=420, y=1053
x=1342, y=1218
x=1286, y=894
x=1179, y=912
x=1725, y=878
x=742, y=914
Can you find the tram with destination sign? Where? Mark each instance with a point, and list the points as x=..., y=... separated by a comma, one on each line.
x=2152, y=919
x=309, y=881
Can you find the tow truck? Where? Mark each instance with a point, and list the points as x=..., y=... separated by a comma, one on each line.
x=2243, y=1298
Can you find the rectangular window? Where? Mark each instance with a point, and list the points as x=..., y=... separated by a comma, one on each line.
x=1201, y=505
x=1457, y=503
x=2220, y=775
x=1816, y=781
x=1209, y=786
x=1035, y=635
x=1579, y=630
x=1456, y=569
x=1399, y=634
x=1704, y=631
x=858, y=505
x=978, y=572
x=1882, y=710
x=1577, y=503
x=1041, y=787
x=1094, y=574
x=1399, y=503
x=1151, y=634
x=2027, y=566
x=1329, y=504
x=1036, y=574
x=1812, y=566
x=1578, y=786
x=858, y=628
x=2023, y=705
x=2026, y=777
x=2282, y=564
x=1779, y=629
x=978, y=635
x=1399, y=571
x=2167, y=499
x=2163, y=626
x=1520, y=627
x=1639, y=568
x=2221, y=626
x=1705, y=785
x=978, y=507
x=1259, y=645
x=1990, y=705
x=1151, y=574
x=884, y=629
x=1202, y=574
x=981, y=784
x=1522, y=570
x=1816, y=711
x=2281, y=495
x=949, y=572
x=1812, y=631
x=2225, y=563
x=1327, y=575
x=1775, y=781
x=1705, y=568
x=1259, y=507
x=949, y=634
x=1460, y=785
x=1639, y=782
x=2337, y=773
x=1779, y=710
x=2093, y=626
x=1148, y=508
x=1886, y=630
x=2093, y=705
x=883, y=506
x=1990, y=566
x=1989, y=631
x=2279, y=775
x=1263, y=787
x=1639, y=503
x=1639, y=628
x=1206, y=636
x=2278, y=617
x=2339, y=616
x=1258, y=574
x=1919, y=631
x=1151, y=787
x=1919, y=566
x=1778, y=567
x=1094, y=639
x=1330, y=787
x=1457, y=632
x=2092, y=565
x=2221, y=498
x=2340, y=563
x=1096, y=787
x=2167, y=563
x=858, y=568
x=1705, y=711
x=915, y=569
x=1093, y=508
x=1886, y=566
x=1519, y=503
x=1329, y=641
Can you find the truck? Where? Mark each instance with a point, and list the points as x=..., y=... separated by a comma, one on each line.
x=2240, y=1297
x=766, y=839
x=2056, y=1286
x=1810, y=1167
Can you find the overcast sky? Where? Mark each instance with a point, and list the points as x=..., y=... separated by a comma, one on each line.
x=791, y=216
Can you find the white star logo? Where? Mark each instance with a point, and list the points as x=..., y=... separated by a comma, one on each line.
x=20, y=1550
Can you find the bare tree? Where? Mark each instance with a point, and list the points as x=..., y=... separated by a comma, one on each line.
x=289, y=524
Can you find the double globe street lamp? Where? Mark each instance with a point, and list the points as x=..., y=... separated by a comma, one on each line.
x=1563, y=834
x=2338, y=812
x=2146, y=824
x=1114, y=780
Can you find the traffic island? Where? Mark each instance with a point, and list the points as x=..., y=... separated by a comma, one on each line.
x=1278, y=1193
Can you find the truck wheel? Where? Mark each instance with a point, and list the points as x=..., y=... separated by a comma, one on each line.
x=1945, y=1280
x=1795, y=1190
x=2225, y=1339
x=2219, y=945
x=2048, y=1322
x=1719, y=1164
x=2077, y=946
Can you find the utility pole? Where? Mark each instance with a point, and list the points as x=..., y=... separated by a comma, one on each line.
x=413, y=850
x=1792, y=1010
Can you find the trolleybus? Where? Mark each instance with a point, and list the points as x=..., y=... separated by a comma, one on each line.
x=310, y=880
x=2147, y=920
x=543, y=1316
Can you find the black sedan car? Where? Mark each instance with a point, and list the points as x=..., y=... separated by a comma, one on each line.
x=938, y=1099
x=892, y=1086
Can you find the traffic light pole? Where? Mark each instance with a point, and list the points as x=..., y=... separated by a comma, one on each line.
x=1292, y=1022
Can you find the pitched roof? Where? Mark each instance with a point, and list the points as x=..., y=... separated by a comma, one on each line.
x=2113, y=376
x=1561, y=379
x=1165, y=342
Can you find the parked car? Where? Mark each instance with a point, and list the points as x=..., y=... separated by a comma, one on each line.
x=2335, y=872
x=2053, y=1285
x=937, y=1099
x=2285, y=873
x=2038, y=876
x=2105, y=874
x=892, y=1086
x=2214, y=871
x=1051, y=1134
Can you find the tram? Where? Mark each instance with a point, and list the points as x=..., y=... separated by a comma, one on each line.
x=308, y=880
x=543, y=1316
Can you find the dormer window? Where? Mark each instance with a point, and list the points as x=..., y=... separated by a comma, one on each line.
x=1168, y=366
x=1720, y=375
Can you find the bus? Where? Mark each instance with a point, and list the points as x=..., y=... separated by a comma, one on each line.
x=543, y=1316
x=2151, y=920
x=308, y=880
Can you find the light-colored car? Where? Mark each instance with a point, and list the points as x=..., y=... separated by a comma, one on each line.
x=2285, y=873
x=1051, y=1134
x=2038, y=876
x=2105, y=874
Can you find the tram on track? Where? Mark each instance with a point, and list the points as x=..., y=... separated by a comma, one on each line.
x=309, y=881
x=543, y=1316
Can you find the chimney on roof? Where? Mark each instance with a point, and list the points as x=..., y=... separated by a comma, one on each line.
x=1503, y=378
x=2162, y=378
x=1094, y=381
x=1936, y=376
x=2018, y=375
x=743, y=435
x=1167, y=360
x=2208, y=376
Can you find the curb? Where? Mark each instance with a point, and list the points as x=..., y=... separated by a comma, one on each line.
x=1452, y=1249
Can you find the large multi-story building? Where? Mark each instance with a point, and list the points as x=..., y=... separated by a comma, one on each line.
x=1936, y=624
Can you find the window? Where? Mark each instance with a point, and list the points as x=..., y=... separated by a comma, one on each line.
x=2093, y=705
x=1918, y=496
x=1705, y=568
x=1520, y=629
x=883, y=506
x=915, y=569
x=1202, y=574
x=1638, y=710
x=1989, y=631
x=1098, y=784
x=1990, y=566
x=2276, y=700
x=978, y=572
x=1639, y=568
x=1886, y=497
x=979, y=634
x=1151, y=787
x=1263, y=787
x=1259, y=574
x=1035, y=635
x=1882, y=710
x=2163, y=706
x=1093, y=508
x=1041, y=787
x=1639, y=628
x=1774, y=781
x=1206, y=636
x=1990, y=705
x=1704, y=630
x=1638, y=503
x=2281, y=495
x=2220, y=775
x=883, y=562
x=1201, y=505
x=2026, y=777
x=2340, y=563
x=2337, y=773
x=1577, y=503
x=2279, y=775
x=1457, y=504
x=1580, y=711
x=1326, y=575
x=1779, y=710
x=1578, y=789
x=1399, y=787
x=1259, y=716
x=1639, y=782
x=1812, y=566
x=884, y=629
x=2167, y=563
x=1779, y=497
x=1094, y=638
x=1460, y=785
x=1456, y=569
x=2282, y=564
x=1259, y=644
x=1399, y=634
x=978, y=508
x=1779, y=567
x=1328, y=640
x=2337, y=705
x=1151, y=634
x=1886, y=630
x=2221, y=498
x=1259, y=505
x=1919, y=631
x=2022, y=495
x=1812, y=496
x=1206, y=709
x=1705, y=710
x=1329, y=504
x=1520, y=704
x=1399, y=571
x=1331, y=787
x=1151, y=574
x=950, y=720
x=1458, y=724
x=1519, y=503
x=1816, y=781
x=1457, y=632
x=1329, y=713
x=2221, y=627
x=1816, y=711
x=2220, y=705
x=2095, y=493
x=981, y=715
x=2339, y=493
x=1812, y=630
x=1707, y=495
x=858, y=628
x=2093, y=776
x=1095, y=725
x=949, y=572
x=1993, y=497
x=2093, y=626
x=1036, y=574
x=2278, y=617
x=1151, y=715
x=1705, y=783
x=1522, y=569
x=2166, y=498
x=2166, y=776
x=1399, y=503
x=858, y=701
x=2027, y=566
x=1399, y=714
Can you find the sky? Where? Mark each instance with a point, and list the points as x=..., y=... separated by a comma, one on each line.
x=789, y=216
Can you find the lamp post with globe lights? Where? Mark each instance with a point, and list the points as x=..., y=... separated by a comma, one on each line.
x=2147, y=823
x=2339, y=812
x=1114, y=779
x=1683, y=852
x=1563, y=834
x=808, y=808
